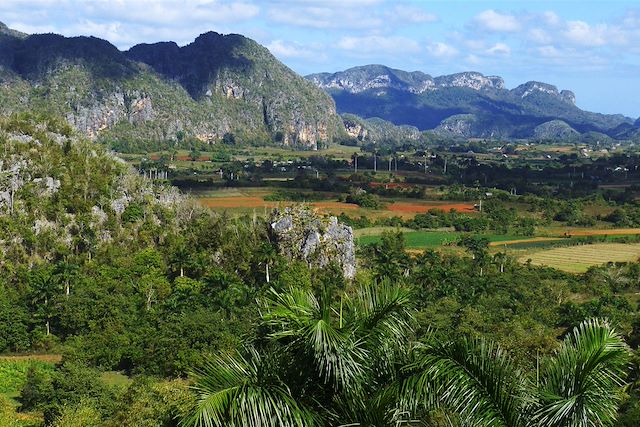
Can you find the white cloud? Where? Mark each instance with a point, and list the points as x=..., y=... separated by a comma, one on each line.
x=412, y=14
x=539, y=36
x=549, y=51
x=172, y=12
x=499, y=49
x=128, y=22
x=286, y=50
x=323, y=16
x=472, y=59
x=581, y=33
x=378, y=44
x=31, y=29
x=551, y=18
x=442, y=50
x=497, y=22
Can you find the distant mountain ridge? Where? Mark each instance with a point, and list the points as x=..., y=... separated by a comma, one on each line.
x=216, y=85
x=467, y=104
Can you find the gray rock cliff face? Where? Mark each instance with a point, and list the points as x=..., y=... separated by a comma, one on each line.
x=444, y=103
x=360, y=79
x=216, y=85
x=303, y=235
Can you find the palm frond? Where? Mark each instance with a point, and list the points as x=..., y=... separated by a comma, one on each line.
x=382, y=308
x=307, y=325
x=472, y=378
x=581, y=384
x=236, y=391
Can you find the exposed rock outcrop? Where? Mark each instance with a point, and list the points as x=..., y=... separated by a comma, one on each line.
x=303, y=235
x=555, y=129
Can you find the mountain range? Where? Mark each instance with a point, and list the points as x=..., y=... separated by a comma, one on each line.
x=229, y=84
x=467, y=104
x=217, y=84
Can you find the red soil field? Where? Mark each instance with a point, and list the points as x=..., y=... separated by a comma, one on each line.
x=389, y=185
x=259, y=202
x=422, y=208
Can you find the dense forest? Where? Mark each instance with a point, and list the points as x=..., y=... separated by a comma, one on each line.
x=213, y=323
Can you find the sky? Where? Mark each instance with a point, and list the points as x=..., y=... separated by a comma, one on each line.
x=589, y=47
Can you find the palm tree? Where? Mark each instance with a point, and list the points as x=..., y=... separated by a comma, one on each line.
x=501, y=258
x=267, y=255
x=180, y=256
x=66, y=272
x=353, y=362
x=580, y=386
x=239, y=390
x=43, y=285
x=332, y=360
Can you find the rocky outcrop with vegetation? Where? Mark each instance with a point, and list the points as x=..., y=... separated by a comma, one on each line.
x=463, y=105
x=378, y=131
x=303, y=235
x=217, y=85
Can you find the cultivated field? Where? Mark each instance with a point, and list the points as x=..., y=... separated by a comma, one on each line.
x=245, y=200
x=430, y=239
x=577, y=259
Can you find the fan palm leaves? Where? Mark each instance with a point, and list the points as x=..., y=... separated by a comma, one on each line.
x=353, y=362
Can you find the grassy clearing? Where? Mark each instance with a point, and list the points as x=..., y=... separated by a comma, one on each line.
x=115, y=379
x=577, y=259
x=13, y=374
x=377, y=231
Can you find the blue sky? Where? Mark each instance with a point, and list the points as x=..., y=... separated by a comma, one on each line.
x=590, y=47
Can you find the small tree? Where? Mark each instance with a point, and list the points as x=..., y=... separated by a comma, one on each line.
x=478, y=247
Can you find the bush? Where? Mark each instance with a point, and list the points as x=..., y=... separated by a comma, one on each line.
x=363, y=199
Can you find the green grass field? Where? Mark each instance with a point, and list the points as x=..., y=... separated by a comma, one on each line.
x=13, y=374
x=431, y=239
x=577, y=259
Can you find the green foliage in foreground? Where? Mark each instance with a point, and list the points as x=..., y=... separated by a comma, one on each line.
x=13, y=374
x=355, y=361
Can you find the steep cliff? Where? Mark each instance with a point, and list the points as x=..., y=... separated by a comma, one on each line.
x=216, y=85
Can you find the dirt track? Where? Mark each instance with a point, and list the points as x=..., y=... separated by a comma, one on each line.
x=610, y=232
x=50, y=358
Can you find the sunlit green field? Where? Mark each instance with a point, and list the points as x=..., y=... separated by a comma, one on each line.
x=432, y=239
x=13, y=374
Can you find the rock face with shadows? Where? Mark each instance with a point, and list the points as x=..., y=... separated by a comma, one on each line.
x=216, y=85
x=302, y=234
